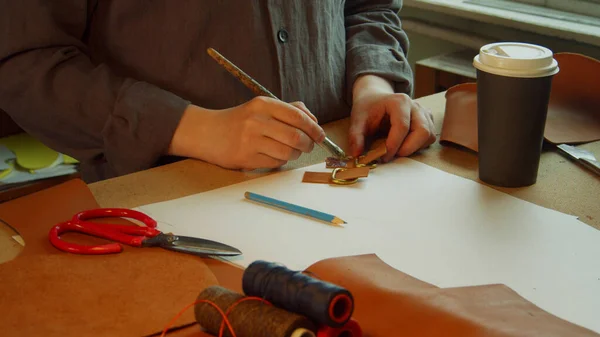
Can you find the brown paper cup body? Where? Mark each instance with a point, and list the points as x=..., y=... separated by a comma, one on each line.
x=511, y=115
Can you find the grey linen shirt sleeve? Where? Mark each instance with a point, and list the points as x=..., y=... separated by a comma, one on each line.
x=376, y=43
x=52, y=89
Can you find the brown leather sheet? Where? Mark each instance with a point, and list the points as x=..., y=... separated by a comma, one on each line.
x=573, y=110
x=377, y=152
x=391, y=303
x=460, y=121
x=47, y=292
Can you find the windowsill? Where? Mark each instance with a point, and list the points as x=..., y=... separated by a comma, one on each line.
x=584, y=33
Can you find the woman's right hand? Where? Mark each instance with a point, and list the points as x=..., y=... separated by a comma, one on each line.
x=261, y=133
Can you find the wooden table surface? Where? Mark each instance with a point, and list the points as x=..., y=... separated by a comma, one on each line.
x=562, y=185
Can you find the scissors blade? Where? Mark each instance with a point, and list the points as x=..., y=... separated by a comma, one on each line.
x=194, y=246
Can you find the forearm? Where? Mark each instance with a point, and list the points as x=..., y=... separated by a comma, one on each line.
x=187, y=140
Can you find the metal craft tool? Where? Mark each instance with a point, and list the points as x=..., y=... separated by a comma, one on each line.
x=582, y=156
x=294, y=208
x=259, y=90
x=133, y=235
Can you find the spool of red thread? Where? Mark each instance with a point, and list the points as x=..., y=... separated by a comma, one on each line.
x=350, y=329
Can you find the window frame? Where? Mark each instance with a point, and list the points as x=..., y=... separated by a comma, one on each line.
x=582, y=7
x=580, y=11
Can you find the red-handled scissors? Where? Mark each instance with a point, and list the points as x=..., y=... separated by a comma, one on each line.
x=132, y=235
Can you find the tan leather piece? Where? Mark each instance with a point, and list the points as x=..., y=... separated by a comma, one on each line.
x=317, y=177
x=47, y=292
x=326, y=177
x=460, y=121
x=391, y=303
x=376, y=153
x=573, y=110
x=358, y=172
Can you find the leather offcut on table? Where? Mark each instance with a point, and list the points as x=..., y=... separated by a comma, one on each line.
x=391, y=303
x=47, y=292
x=573, y=114
x=374, y=154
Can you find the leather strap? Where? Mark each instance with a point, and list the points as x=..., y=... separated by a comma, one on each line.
x=336, y=175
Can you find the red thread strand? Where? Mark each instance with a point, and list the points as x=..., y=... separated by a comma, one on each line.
x=249, y=298
x=225, y=321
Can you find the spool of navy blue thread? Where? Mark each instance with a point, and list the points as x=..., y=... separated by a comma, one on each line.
x=323, y=302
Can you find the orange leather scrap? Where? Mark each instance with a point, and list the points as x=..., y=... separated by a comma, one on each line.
x=47, y=292
x=374, y=154
x=460, y=119
x=573, y=110
x=391, y=303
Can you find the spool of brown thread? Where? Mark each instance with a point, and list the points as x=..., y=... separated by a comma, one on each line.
x=249, y=318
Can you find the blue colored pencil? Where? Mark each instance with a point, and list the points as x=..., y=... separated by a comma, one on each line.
x=294, y=208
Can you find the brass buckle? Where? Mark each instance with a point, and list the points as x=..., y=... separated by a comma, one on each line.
x=339, y=181
x=371, y=165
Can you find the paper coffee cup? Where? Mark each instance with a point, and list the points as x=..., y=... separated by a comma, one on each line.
x=513, y=90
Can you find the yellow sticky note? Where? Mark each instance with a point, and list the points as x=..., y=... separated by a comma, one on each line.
x=69, y=160
x=31, y=153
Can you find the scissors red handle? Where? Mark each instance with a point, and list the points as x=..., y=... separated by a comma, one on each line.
x=127, y=234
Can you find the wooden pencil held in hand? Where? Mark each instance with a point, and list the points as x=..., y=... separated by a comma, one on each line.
x=259, y=90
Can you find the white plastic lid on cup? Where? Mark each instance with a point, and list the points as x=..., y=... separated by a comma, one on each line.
x=515, y=59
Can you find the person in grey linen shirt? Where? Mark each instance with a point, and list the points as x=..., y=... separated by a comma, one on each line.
x=121, y=84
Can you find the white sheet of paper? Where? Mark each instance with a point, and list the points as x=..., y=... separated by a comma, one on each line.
x=437, y=227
